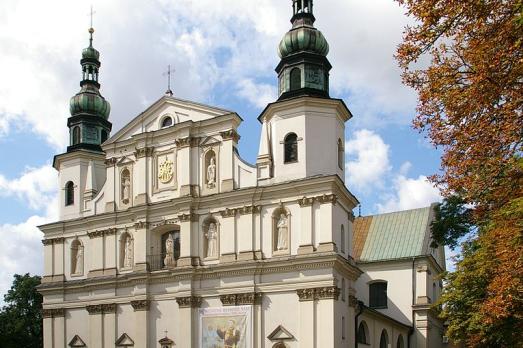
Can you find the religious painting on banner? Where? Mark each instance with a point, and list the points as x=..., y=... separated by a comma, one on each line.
x=225, y=327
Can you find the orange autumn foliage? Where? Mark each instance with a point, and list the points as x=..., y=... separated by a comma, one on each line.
x=465, y=60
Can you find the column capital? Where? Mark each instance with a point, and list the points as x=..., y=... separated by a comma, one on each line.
x=323, y=293
x=189, y=301
x=140, y=305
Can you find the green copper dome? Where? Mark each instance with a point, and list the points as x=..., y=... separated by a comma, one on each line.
x=303, y=38
x=89, y=101
x=90, y=53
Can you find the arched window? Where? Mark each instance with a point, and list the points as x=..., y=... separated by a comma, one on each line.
x=384, y=339
x=104, y=136
x=69, y=193
x=363, y=333
x=76, y=135
x=342, y=328
x=400, y=343
x=291, y=148
x=167, y=122
x=378, y=295
x=295, y=79
x=342, y=239
x=341, y=154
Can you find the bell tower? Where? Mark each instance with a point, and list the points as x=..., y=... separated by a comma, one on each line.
x=81, y=168
x=303, y=132
x=88, y=125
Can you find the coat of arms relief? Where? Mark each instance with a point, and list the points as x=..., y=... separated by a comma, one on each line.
x=165, y=171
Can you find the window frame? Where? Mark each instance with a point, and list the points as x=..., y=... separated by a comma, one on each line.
x=69, y=194
x=378, y=298
x=288, y=158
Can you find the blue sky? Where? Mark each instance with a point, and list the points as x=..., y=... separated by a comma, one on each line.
x=224, y=52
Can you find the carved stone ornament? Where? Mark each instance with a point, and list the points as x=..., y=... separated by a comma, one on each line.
x=328, y=199
x=140, y=305
x=323, y=293
x=109, y=307
x=165, y=171
x=188, y=217
x=228, y=213
x=249, y=298
x=140, y=225
x=53, y=312
x=144, y=152
x=50, y=241
x=230, y=134
x=110, y=162
x=94, y=309
x=184, y=142
x=77, y=342
x=101, y=233
x=189, y=301
x=249, y=209
x=353, y=301
x=306, y=202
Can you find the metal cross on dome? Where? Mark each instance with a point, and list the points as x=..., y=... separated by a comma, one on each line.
x=168, y=74
x=92, y=14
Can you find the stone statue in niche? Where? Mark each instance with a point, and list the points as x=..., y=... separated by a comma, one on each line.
x=126, y=190
x=211, y=173
x=212, y=240
x=79, y=264
x=282, y=228
x=169, y=252
x=128, y=253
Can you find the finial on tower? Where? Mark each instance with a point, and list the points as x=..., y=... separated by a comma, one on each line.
x=91, y=29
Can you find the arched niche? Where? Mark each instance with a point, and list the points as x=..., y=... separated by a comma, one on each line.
x=211, y=238
x=125, y=186
x=281, y=230
x=126, y=251
x=211, y=169
x=77, y=258
x=165, y=247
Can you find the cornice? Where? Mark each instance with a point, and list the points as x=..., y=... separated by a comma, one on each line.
x=110, y=162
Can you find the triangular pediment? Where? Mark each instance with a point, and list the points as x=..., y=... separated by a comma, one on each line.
x=209, y=141
x=280, y=334
x=124, y=341
x=166, y=341
x=125, y=161
x=76, y=342
x=151, y=119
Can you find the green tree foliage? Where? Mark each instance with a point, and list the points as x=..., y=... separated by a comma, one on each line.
x=21, y=318
x=452, y=221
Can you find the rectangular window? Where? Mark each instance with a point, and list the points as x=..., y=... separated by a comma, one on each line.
x=378, y=295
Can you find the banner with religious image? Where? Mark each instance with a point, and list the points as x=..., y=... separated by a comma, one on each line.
x=226, y=327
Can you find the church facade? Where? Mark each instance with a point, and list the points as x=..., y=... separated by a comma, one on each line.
x=167, y=237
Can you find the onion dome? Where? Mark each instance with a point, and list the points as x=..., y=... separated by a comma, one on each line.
x=89, y=101
x=304, y=67
x=303, y=38
x=88, y=125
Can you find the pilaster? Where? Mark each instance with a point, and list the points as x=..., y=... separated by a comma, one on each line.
x=306, y=242
x=187, y=254
x=141, y=316
x=188, y=311
x=95, y=326
x=227, y=233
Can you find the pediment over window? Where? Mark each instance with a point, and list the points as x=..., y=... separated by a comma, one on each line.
x=124, y=341
x=209, y=141
x=77, y=342
x=280, y=334
x=125, y=161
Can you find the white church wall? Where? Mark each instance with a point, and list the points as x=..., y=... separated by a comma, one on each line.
x=273, y=307
x=398, y=276
x=125, y=321
x=244, y=173
x=163, y=316
x=77, y=320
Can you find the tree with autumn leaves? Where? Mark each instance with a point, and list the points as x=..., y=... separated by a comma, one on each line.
x=465, y=60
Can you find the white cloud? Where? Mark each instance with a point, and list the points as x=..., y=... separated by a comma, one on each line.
x=368, y=160
x=410, y=193
x=258, y=94
x=36, y=186
x=210, y=42
x=21, y=245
